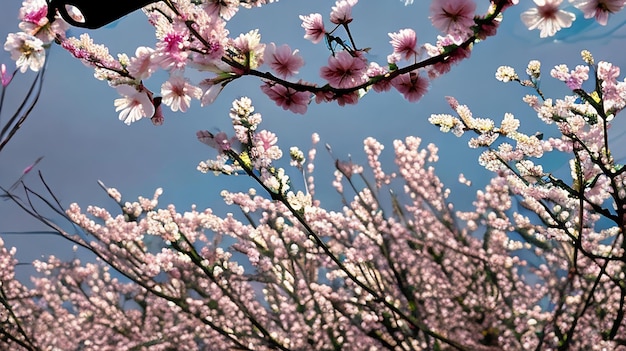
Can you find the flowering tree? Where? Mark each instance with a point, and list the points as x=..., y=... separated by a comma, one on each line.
x=398, y=267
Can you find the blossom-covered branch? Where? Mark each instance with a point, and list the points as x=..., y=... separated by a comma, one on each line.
x=383, y=272
x=194, y=35
x=585, y=214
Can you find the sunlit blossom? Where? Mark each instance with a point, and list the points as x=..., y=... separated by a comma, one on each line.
x=454, y=17
x=93, y=55
x=177, y=93
x=134, y=105
x=342, y=11
x=34, y=21
x=313, y=25
x=533, y=69
x=171, y=52
x=506, y=74
x=249, y=49
x=599, y=9
x=299, y=201
x=404, y=43
x=141, y=65
x=26, y=50
x=547, y=17
x=573, y=79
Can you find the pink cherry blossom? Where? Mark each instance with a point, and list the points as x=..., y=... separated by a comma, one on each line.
x=454, y=17
x=6, y=77
x=342, y=11
x=313, y=25
x=177, y=93
x=35, y=12
x=608, y=71
x=96, y=56
x=223, y=8
x=375, y=70
x=411, y=85
x=573, y=79
x=214, y=36
x=287, y=98
x=134, y=105
x=312, y=278
x=547, y=17
x=282, y=60
x=33, y=15
x=171, y=51
x=599, y=9
x=265, y=149
x=344, y=70
x=249, y=49
x=141, y=66
x=443, y=44
x=612, y=90
x=404, y=43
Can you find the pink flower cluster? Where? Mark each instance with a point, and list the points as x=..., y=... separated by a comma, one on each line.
x=392, y=269
x=193, y=34
x=581, y=214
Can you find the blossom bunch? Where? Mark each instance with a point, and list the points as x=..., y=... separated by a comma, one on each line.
x=391, y=269
x=295, y=276
x=193, y=35
x=581, y=212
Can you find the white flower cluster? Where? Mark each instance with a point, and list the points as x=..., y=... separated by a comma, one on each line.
x=506, y=74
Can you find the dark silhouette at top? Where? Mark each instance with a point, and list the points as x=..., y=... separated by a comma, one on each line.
x=94, y=13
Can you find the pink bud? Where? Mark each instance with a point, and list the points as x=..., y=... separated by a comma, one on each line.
x=6, y=78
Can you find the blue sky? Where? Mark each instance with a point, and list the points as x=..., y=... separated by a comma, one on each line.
x=75, y=126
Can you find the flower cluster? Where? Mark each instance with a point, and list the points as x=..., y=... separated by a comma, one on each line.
x=194, y=35
x=390, y=270
x=584, y=212
x=363, y=278
x=250, y=151
x=27, y=47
